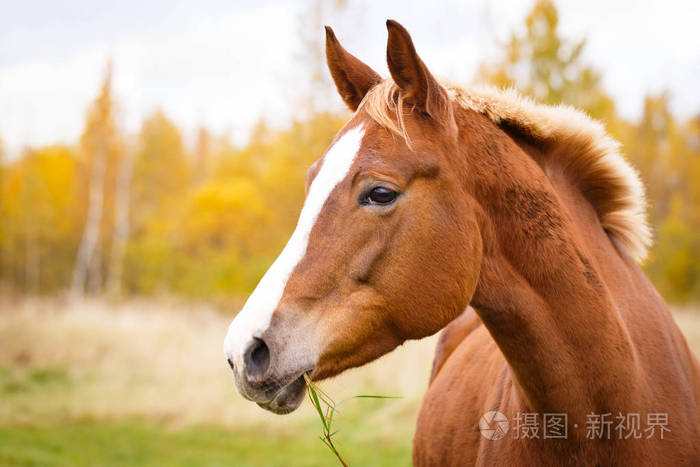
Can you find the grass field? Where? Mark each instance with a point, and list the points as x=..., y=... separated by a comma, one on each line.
x=145, y=383
x=111, y=443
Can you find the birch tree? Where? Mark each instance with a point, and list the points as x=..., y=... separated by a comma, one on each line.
x=101, y=145
x=121, y=225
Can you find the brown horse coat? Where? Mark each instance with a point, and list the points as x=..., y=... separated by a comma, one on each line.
x=434, y=198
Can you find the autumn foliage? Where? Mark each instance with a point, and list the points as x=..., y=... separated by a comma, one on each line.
x=149, y=214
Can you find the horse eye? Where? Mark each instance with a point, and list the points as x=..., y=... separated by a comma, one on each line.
x=381, y=196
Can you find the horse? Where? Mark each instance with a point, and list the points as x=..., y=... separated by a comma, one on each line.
x=515, y=227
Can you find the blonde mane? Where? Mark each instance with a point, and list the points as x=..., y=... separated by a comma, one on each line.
x=608, y=181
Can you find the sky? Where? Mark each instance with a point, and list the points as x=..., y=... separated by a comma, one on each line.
x=225, y=64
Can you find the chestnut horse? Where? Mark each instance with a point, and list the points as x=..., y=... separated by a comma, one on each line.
x=433, y=198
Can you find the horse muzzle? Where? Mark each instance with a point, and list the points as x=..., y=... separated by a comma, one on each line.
x=270, y=372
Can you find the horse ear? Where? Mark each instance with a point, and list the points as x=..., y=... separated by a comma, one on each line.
x=352, y=77
x=409, y=72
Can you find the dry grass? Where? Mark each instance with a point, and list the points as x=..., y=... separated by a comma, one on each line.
x=163, y=361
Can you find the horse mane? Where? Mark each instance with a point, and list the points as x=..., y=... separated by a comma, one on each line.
x=589, y=154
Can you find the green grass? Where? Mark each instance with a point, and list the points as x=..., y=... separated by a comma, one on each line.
x=17, y=380
x=143, y=443
x=65, y=440
x=326, y=409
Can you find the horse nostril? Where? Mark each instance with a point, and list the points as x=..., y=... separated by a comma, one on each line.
x=230, y=362
x=257, y=359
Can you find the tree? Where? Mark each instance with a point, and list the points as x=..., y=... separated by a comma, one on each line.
x=40, y=219
x=121, y=225
x=202, y=156
x=3, y=228
x=545, y=66
x=102, y=148
x=319, y=89
x=238, y=221
x=667, y=154
x=650, y=146
x=161, y=179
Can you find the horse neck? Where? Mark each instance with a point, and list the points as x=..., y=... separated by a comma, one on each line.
x=541, y=293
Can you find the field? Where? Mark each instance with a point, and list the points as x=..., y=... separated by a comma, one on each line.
x=145, y=383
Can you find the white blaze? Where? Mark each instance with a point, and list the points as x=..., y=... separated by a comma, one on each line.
x=255, y=316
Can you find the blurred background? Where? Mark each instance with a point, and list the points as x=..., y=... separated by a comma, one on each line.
x=152, y=163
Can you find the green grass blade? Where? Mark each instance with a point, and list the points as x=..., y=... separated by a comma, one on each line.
x=317, y=396
x=316, y=403
x=330, y=417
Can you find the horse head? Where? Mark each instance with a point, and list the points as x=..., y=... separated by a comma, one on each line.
x=386, y=247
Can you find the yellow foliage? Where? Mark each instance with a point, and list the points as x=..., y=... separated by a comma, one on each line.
x=218, y=209
x=38, y=204
x=209, y=220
